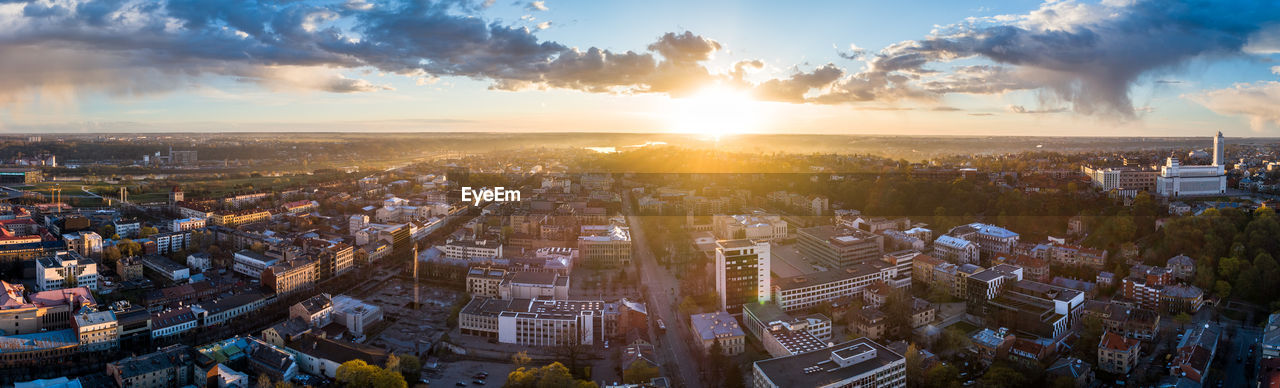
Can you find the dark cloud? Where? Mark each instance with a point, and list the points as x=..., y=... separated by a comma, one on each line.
x=1085, y=54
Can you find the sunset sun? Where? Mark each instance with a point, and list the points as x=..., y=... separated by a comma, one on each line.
x=716, y=111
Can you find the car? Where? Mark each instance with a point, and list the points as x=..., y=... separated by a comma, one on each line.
x=478, y=382
x=424, y=381
x=460, y=384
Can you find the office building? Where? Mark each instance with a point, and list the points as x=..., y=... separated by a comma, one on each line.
x=165, y=268
x=251, y=264
x=86, y=243
x=742, y=273
x=839, y=247
x=809, y=290
x=955, y=250
x=857, y=363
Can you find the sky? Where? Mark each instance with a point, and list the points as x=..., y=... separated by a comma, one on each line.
x=1058, y=68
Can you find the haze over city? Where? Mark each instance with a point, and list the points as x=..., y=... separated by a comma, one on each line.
x=1114, y=68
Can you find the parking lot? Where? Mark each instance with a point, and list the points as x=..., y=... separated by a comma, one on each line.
x=449, y=374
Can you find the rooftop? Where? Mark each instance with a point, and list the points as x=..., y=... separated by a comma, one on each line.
x=829, y=366
x=715, y=325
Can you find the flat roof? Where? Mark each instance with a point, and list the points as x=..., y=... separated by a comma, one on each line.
x=817, y=368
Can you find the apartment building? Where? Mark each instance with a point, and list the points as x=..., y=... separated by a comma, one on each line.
x=605, y=246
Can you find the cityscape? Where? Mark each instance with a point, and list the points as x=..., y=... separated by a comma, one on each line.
x=530, y=194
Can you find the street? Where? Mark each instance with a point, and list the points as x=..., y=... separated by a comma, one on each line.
x=680, y=360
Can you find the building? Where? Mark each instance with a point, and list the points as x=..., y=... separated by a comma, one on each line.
x=42, y=311
x=251, y=264
x=1270, y=342
x=1073, y=255
x=534, y=285
x=321, y=356
x=165, y=268
x=1153, y=288
x=1195, y=353
x=127, y=228
x=869, y=322
x=66, y=270
x=287, y=277
x=955, y=250
x=316, y=311
x=20, y=175
x=172, y=322
x=839, y=247
x=605, y=246
x=200, y=261
x=355, y=314
x=755, y=226
x=719, y=327
x=809, y=290
x=922, y=312
x=857, y=363
x=742, y=273
x=1000, y=295
x=1074, y=369
x=227, y=307
x=1177, y=180
x=231, y=219
x=1182, y=266
x=185, y=224
x=129, y=268
x=1117, y=354
x=472, y=249
x=991, y=345
x=534, y=322
x=784, y=335
x=169, y=367
x=485, y=281
x=1128, y=321
x=992, y=240
x=1140, y=178
x=86, y=243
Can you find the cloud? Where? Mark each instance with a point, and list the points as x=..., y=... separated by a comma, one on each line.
x=1255, y=101
x=1084, y=56
x=1087, y=55
x=1022, y=109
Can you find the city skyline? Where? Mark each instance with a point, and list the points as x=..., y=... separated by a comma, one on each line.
x=1116, y=68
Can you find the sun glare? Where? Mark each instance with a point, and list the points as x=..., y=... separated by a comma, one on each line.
x=717, y=111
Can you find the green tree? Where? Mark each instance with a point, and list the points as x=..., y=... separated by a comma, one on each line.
x=147, y=232
x=1001, y=376
x=639, y=372
x=942, y=375
x=410, y=367
x=1222, y=289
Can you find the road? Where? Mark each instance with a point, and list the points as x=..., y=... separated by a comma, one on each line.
x=1234, y=374
x=662, y=299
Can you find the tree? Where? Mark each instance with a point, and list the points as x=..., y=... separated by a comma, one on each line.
x=110, y=255
x=357, y=373
x=520, y=359
x=410, y=367
x=1182, y=319
x=147, y=231
x=1222, y=289
x=1002, y=376
x=393, y=363
x=942, y=375
x=915, y=371
x=264, y=381
x=639, y=372
x=129, y=248
x=551, y=375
